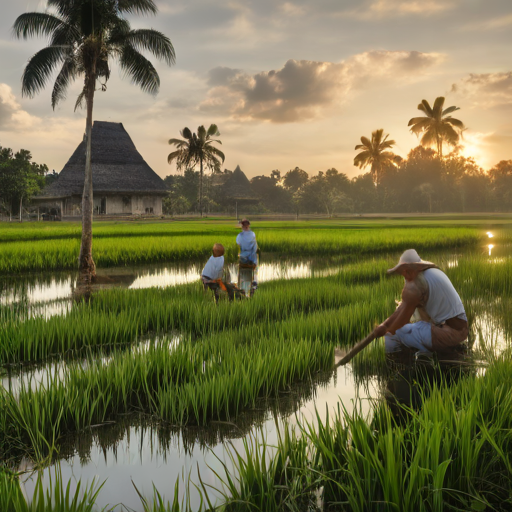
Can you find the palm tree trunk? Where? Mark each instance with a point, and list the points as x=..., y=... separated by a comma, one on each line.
x=87, y=267
x=201, y=187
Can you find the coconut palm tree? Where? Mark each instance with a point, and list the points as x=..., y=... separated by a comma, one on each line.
x=436, y=125
x=196, y=149
x=84, y=37
x=373, y=153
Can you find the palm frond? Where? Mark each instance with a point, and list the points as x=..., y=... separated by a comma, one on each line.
x=140, y=69
x=438, y=107
x=424, y=106
x=174, y=155
x=213, y=131
x=455, y=122
x=449, y=110
x=39, y=69
x=137, y=6
x=419, y=120
x=362, y=159
x=32, y=24
x=80, y=99
x=216, y=152
x=201, y=133
x=429, y=138
x=449, y=134
x=66, y=75
x=187, y=133
x=153, y=41
x=177, y=142
x=366, y=142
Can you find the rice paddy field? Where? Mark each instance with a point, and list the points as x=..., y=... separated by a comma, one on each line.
x=149, y=396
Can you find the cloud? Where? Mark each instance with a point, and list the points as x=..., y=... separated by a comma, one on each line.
x=502, y=22
x=292, y=10
x=378, y=9
x=302, y=89
x=486, y=90
x=12, y=116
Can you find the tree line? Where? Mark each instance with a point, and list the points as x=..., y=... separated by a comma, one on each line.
x=423, y=182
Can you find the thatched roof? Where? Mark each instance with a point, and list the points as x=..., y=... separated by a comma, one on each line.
x=237, y=186
x=117, y=167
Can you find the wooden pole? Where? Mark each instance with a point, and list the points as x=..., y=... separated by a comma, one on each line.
x=355, y=350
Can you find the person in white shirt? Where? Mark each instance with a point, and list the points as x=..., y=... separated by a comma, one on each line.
x=443, y=325
x=246, y=240
x=213, y=269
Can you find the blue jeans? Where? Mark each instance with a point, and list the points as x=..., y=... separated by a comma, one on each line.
x=416, y=336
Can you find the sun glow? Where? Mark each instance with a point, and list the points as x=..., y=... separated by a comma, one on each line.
x=473, y=145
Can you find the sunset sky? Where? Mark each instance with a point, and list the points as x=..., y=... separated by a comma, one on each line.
x=289, y=83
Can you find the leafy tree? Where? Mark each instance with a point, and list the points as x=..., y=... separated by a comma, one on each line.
x=327, y=192
x=196, y=149
x=274, y=197
x=294, y=179
x=501, y=183
x=20, y=179
x=84, y=36
x=374, y=153
x=437, y=126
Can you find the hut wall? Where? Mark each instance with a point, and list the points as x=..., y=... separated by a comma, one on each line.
x=143, y=205
x=119, y=205
x=73, y=206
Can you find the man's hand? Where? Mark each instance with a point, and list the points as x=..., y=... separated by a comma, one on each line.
x=380, y=330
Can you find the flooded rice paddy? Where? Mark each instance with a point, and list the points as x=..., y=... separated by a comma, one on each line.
x=137, y=451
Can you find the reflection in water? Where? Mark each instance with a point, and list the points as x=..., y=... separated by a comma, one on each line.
x=155, y=453
x=411, y=377
x=53, y=372
x=50, y=288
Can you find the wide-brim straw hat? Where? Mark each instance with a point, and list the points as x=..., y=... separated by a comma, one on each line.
x=410, y=259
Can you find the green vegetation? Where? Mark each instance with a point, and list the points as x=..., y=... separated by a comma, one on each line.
x=144, y=247
x=174, y=355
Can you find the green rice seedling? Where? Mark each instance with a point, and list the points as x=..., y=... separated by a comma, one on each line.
x=111, y=251
x=450, y=454
x=57, y=497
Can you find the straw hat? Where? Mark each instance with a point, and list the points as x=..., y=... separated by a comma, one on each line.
x=410, y=259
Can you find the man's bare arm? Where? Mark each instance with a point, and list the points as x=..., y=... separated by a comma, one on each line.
x=411, y=299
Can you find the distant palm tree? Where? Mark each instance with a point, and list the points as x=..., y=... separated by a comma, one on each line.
x=84, y=35
x=196, y=149
x=374, y=154
x=437, y=126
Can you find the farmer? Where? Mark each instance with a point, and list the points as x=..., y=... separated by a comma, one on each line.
x=213, y=270
x=246, y=240
x=443, y=325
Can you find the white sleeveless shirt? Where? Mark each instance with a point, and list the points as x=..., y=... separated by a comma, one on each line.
x=443, y=300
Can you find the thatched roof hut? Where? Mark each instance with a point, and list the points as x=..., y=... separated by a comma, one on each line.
x=122, y=181
x=238, y=187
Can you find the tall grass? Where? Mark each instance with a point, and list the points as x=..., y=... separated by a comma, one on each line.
x=452, y=454
x=57, y=497
x=111, y=251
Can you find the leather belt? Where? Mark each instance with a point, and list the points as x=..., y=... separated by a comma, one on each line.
x=456, y=323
